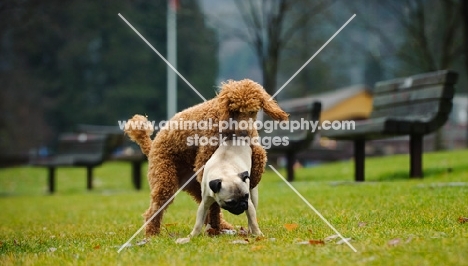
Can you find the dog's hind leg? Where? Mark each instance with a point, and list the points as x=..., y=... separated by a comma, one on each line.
x=162, y=178
x=194, y=190
x=223, y=224
x=215, y=216
x=216, y=220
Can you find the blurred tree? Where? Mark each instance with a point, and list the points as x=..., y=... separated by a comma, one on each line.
x=432, y=39
x=65, y=63
x=429, y=32
x=373, y=70
x=429, y=36
x=197, y=53
x=464, y=14
x=270, y=25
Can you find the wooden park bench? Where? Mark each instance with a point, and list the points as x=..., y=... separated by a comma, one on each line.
x=414, y=106
x=90, y=147
x=120, y=148
x=74, y=150
x=299, y=139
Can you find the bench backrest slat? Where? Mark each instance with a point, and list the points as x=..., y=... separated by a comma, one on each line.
x=402, y=97
x=421, y=110
x=438, y=77
x=81, y=144
x=420, y=97
x=302, y=115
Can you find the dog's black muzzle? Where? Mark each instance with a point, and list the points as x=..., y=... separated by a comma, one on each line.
x=237, y=207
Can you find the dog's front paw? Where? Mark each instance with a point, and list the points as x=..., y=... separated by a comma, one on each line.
x=258, y=234
x=255, y=232
x=182, y=240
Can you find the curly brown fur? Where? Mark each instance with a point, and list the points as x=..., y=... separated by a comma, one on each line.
x=141, y=137
x=172, y=162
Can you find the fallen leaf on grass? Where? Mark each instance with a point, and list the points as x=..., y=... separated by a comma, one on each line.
x=313, y=242
x=331, y=238
x=167, y=225
x=462, y=220
x=339, y=242
x=259, y=238
x=97, y=247
x=144, y=241
x=183, y=240
x=342, y=241
x=290, y=227
x=240, y=241
x=362, y=224
x=228, y=232
x=394, y=242
x=316, y=242
x=243, y=232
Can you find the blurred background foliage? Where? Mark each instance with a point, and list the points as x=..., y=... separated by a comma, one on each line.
x=69, y=62
x=64, y=63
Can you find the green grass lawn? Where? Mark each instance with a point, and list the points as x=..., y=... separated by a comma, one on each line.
x=390, y=219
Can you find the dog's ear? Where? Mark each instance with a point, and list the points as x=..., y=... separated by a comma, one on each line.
x=223, y=101
x=272, y=108
x=215, y=185
x=244, y=175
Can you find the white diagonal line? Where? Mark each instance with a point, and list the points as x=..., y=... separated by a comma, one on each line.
x=160, y=209
x=162, y=57
x=312, y=207
x=310, y=59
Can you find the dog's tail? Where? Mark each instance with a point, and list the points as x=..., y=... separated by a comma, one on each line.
x=139, y=130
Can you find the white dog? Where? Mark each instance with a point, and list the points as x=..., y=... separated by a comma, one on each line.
x=226, y=182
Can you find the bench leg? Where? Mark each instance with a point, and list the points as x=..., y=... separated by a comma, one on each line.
x=136, y=175
x=359, y=157
x=416, y=149
x=51, y=180
x=89, y=177
x=290, y=160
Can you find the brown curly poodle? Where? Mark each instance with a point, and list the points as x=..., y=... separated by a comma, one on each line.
x=172, y=161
